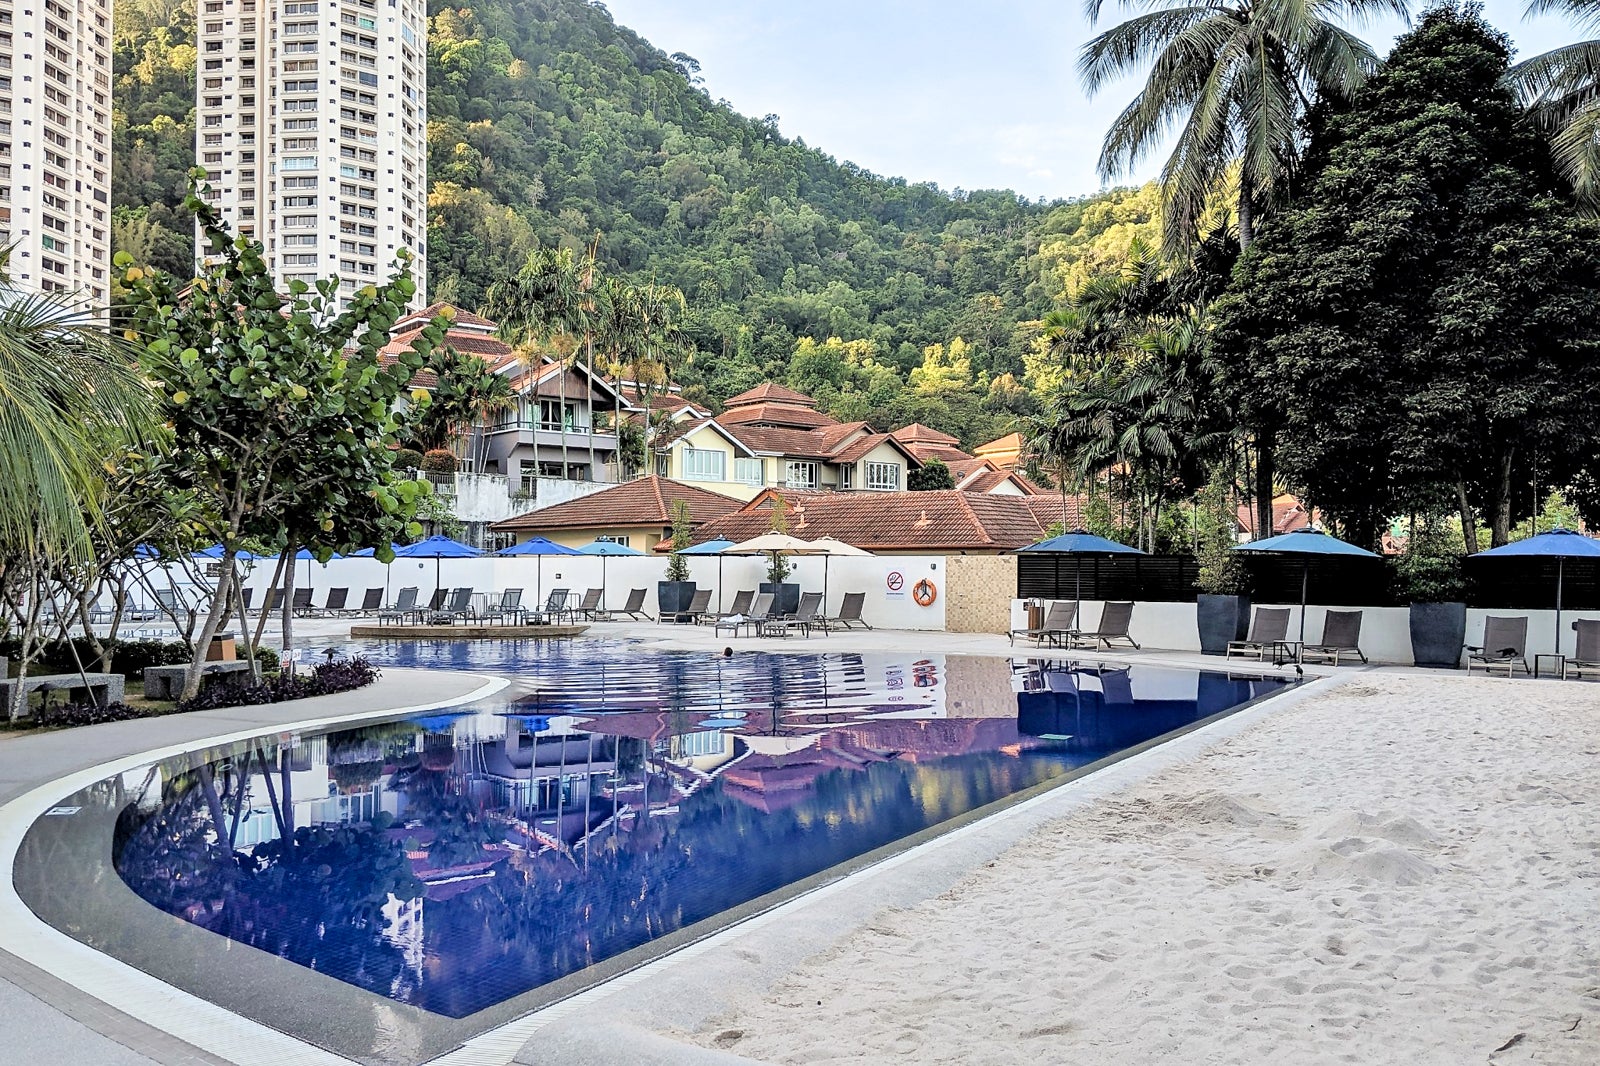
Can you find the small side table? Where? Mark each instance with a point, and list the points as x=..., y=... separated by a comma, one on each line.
x=1286, y=651
x=1560, y=670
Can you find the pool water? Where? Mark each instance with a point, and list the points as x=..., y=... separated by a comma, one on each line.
x=611, y=796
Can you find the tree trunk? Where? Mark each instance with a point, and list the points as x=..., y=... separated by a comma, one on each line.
x=288, y=602
x=1247, y=219
x=588, y=390
x=214, y=617
x=244, y=629
x=1469, y=520
x=561, y=417
x=266, y=602
x=1500, y=499
x=1264, y=475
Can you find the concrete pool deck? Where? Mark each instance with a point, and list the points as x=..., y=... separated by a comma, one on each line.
x=743, y=990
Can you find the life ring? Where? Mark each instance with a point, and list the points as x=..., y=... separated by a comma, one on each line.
x=924, y=592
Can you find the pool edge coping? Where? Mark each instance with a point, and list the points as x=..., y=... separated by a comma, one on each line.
x=124, y=988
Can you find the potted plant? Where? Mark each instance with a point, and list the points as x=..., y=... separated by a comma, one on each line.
x=1222, y=609
x=1428, y=576
x=785, y=593
x=674, y=594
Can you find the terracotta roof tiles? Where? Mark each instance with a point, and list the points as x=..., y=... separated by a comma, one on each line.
x=646, y=501
x=767, y=392
x=776, y=414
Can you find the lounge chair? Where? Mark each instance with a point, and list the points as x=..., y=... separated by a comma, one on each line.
x=804, y=617
x=170, y=607
x=555, y=605
x=403, y=608
x=849, y=615
x=589, y=604
x=459, y=606
x=275, y=604
x=698, y=603
x=760, y=610
x=1505, y=641
x=245, y=596
x=436, y=601
x=508, y=610
x=741, y=605
x=1056, y=627
x=1115, y=617
x=634, y=608
x=1269, y=626
x=372, y=601
x=1341, y=637
x=302, y=603
x=334, y=604
x=1586, y=656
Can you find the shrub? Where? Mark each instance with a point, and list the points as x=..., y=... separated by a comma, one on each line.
x=341, y=675
x=1429, y=570
x=77, y=713
x=407, y=459
x=438, y=461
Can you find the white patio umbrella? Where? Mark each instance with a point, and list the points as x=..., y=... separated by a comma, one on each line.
x=774, y=544
x=828, y=548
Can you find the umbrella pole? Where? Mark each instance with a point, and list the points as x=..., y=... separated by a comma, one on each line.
x=1305, y=585
x=825, y=560
x=1561, y=565
x=719, y=582
x=1077, y=609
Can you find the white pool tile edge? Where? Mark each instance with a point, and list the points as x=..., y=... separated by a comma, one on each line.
x=499, y=1046
x=123, y=987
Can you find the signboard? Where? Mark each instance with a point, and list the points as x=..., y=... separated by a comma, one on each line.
x=894, y=585
x=213, y=570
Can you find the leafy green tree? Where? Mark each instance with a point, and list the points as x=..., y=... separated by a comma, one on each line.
x=469, y=393
x=930, y=476
x=283, y=421
x=1422, y=323
x=1237, y=81
x=682, y=534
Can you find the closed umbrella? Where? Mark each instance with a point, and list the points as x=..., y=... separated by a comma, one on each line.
x=1558, y=544
x=372, y=553
x=713, y=547
x=828, y=548
x=1305, y=542
x=606, y=549
x=1078, y=543
x=438, y=547
x=538, y=547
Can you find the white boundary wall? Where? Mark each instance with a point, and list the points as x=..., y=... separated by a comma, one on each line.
x=1385, y=631
x=537, y=576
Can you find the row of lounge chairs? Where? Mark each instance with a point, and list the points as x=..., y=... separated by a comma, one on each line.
x=1269, y=635
x=1059, y=627
x=757, y=615
x=1505, y=643
x=456, y=606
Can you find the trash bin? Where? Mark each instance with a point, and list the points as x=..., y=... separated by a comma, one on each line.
x=221, y=649
x=1035, y=610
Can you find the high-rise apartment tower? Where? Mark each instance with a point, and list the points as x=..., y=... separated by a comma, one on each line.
x=55, y=144
x=312, y=128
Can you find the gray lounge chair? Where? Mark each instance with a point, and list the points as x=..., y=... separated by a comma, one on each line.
x=508, y=610
x=245, y=596
x=698, y=604
x=1115, y=618
x=458, y=607
x=172, y=608
x=1341, y=637
x=1269, y=626
x=302, y=603
x=436, y=601
x=403, y=608
x=274, y=603
x=333, y=605
x=372, y=601
x=849, y=615
x=741, y=605
x=1586, y=656
x=1057, y=626
x=760, y=610
x=804, y=618
x=1505, y=642
x=634, y=609
x=555, y=607
x=590, y=603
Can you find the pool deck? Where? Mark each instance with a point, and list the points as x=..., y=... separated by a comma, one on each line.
x=635, y=1017
x=466, y=632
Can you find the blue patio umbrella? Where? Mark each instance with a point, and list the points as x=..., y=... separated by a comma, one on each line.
x=1558, y=544
x=215, y=552
x=438, y=547
x=1078, y=543
x=605, y=549
x=145, y=551
x=538, y=547
x=712, y=547
x=1306, y=542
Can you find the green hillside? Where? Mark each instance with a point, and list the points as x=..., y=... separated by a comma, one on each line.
x=551, y=125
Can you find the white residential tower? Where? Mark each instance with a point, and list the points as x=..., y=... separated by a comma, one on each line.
x=55, y=144
x=312, y=120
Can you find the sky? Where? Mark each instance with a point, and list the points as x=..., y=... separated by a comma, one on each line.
x=968, y=96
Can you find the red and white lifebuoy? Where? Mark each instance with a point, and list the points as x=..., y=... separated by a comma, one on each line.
x=925, y=592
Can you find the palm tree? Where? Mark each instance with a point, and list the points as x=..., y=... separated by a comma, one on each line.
x=1236, y=79
x=658, y=309
x=1563, y=89
x=546, y=302
x=617, y=334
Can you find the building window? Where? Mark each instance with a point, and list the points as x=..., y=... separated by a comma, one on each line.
x=749, y=471
x=622, y=540
x=883, y=477
x=800, y=475
x=847, y=476
x=704, y=464
x=554, y=416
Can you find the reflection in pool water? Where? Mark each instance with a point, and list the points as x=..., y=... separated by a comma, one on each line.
x=614, y=795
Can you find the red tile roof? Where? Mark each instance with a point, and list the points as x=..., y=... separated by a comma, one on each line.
x=460, y=318
x=946, y=520
x=800, y=443
x=921, y=434
x=767, y=392
x=646, y=501
x=858, y=448
x=776, y=414
x=1288, y=515
x=942, y=452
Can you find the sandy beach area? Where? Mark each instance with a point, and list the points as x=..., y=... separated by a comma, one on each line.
x=1404, y=869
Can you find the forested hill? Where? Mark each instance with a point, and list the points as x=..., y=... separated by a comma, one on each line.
x=550, y=124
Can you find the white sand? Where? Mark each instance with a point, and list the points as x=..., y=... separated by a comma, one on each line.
x=1406, y=869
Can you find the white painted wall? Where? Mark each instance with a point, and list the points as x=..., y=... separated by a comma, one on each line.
x=487, y=497
x=1385, y=631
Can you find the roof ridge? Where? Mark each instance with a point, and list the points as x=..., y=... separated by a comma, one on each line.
x=972, y=515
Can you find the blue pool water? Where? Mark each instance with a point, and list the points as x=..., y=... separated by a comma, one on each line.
x=611, y=796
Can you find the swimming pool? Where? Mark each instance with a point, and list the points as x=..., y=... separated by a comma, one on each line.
x=611, y=803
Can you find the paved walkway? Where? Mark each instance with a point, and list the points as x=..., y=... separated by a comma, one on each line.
x=44, y=1021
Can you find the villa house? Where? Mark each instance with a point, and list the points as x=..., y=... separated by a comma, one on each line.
x=636, y=514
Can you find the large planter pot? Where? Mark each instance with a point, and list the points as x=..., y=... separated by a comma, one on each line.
x=1438, y=630
x=785, y=597
x=673, y=597
x=1221, y=619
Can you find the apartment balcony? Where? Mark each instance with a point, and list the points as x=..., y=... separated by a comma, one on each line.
x=549, y=435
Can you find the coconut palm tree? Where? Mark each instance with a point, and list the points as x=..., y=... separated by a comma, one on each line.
x=545, y=306
x=1563, y=89
x=1235, y=78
